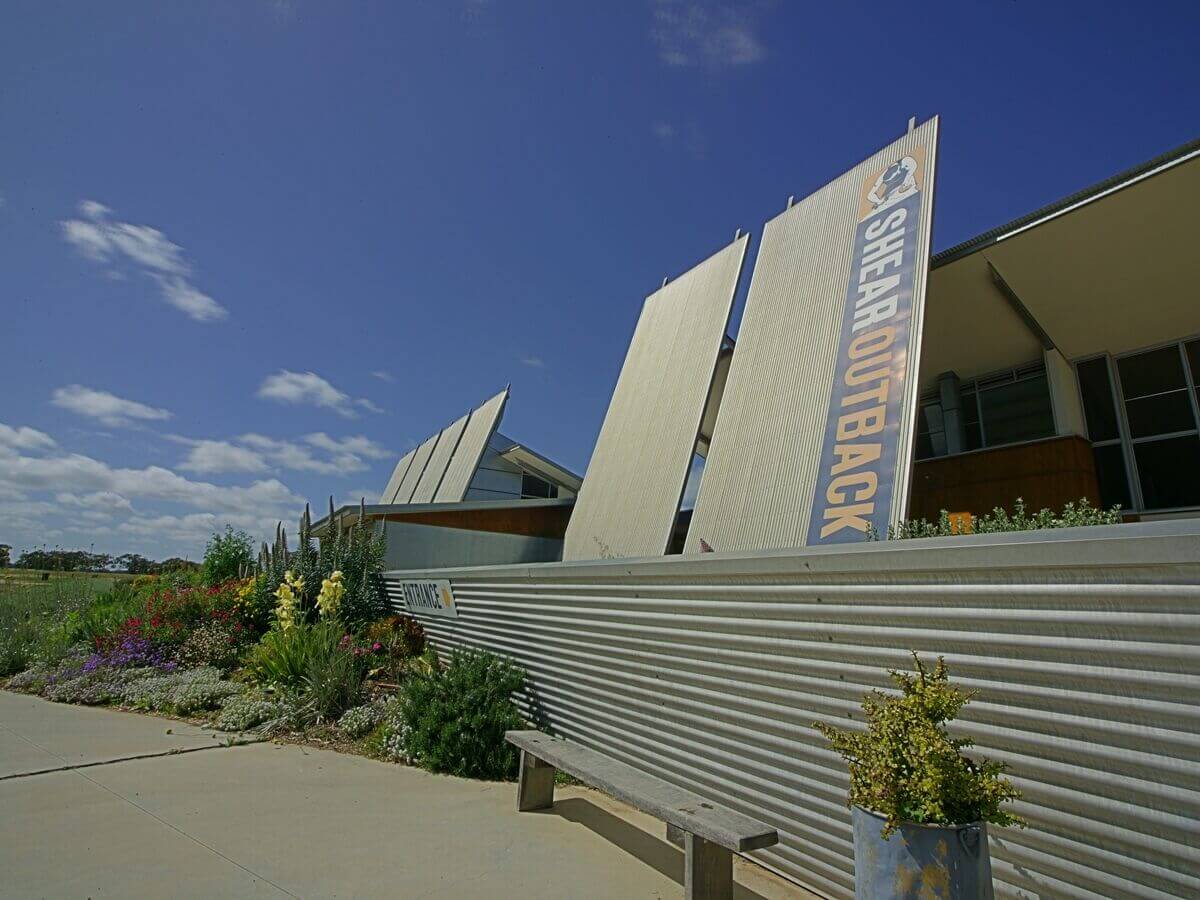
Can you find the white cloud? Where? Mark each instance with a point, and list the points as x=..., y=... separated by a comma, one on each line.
x=102, y=239
x=25, y=438
x=258, y=453
x=664, y=131
x=534, y=362
x=81, y=500
x=107, y=408
x=703, y=33
x=220, y=456
x=384, y=376
x=96, y=500
x=187, y=299
x=311, y=389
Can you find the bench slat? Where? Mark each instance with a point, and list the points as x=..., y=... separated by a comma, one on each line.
x=648, y=793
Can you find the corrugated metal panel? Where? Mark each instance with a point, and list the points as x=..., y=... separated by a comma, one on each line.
x=485, y=419
x=393, y=485
x=631, y=492
x=438, y=461
x=420, y=460
x=1084, y=646
x=762, y=468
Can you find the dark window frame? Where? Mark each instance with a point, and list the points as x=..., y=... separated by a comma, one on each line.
x=1124, y=437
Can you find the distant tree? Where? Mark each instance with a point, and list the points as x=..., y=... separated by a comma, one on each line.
x=5, y=556
x=226, y=556
x=59, y=560
x=135, y=564
x=178, y=564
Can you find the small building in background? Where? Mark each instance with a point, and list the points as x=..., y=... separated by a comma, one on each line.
x=469, y=495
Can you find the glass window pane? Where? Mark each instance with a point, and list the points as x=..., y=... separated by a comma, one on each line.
x=1193, y=353
x=1152, y=372
x=1170, y=472
x=1017, y=412
x=1160, y=414
x=972, y=437
x=1096, y=389
x=535, y=487
x=1110, y=473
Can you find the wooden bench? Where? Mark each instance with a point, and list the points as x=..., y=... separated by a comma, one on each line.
x=710, y=832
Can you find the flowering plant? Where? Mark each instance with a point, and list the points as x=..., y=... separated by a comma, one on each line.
x=288, y=594
x=330, y=598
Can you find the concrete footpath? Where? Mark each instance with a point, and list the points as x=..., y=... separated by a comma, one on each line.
x=96, y=803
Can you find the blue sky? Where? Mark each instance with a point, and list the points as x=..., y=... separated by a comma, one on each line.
x=251, y=251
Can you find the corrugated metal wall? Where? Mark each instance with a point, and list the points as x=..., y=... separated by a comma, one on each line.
x=461, y=469
x=630, y=495
x=1084, y=646
x=761, y=472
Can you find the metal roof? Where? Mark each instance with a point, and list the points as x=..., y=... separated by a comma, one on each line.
x=1067, y=204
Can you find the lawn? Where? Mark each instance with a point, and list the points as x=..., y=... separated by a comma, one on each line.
x=31, y=600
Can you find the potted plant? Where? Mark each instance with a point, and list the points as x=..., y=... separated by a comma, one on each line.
x=908, y=775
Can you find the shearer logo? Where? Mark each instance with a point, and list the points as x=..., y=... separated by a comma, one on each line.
x=893, y=184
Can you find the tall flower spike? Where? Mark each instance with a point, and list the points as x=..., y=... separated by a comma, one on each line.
x=362, y=512
x=331, y=508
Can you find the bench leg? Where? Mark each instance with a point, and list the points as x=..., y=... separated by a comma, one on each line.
x=535, y=784
x=707, y=870
x=675, y=835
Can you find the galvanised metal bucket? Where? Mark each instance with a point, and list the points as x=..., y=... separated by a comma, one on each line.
x=921, y=862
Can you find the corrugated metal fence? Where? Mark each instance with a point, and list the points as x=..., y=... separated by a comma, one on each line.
x=1084, y=646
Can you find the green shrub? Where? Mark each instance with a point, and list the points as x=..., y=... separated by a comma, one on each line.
x=282, y=657
x=227, y=556
x=241, y=712
x=213, y=644
x=34, y=619
x=360, y=720
x=453, y=720
x=999, y=519
x=907, y=768
x=182, y=692
x=333, y=677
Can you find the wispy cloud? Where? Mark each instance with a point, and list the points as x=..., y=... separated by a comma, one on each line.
x=109, y=409
x=384, y=376
x=254, y=453
x=25, y=438
x=691, y=33
x=534, y=362
x=98, y=236
x=309, y=388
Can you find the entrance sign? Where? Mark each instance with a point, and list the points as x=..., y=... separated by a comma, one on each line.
x=813, y=440
x=434, y=598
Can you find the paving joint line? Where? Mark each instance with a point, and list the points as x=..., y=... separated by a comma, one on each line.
x=69, y=767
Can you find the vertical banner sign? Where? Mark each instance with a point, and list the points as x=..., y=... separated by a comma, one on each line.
x=856, y=480
x=434, y=598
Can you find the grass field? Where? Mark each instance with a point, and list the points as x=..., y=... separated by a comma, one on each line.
x=28, y=604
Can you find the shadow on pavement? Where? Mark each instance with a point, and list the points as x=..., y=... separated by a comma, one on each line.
x=657, y=853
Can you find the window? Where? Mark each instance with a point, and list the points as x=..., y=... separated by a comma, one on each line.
x=532, y=486
x=1151, y=460
x=1100, y=414
x=1006, y=408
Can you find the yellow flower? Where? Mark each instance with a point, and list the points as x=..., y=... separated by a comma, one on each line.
x=288, y=595
x=330, y=598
